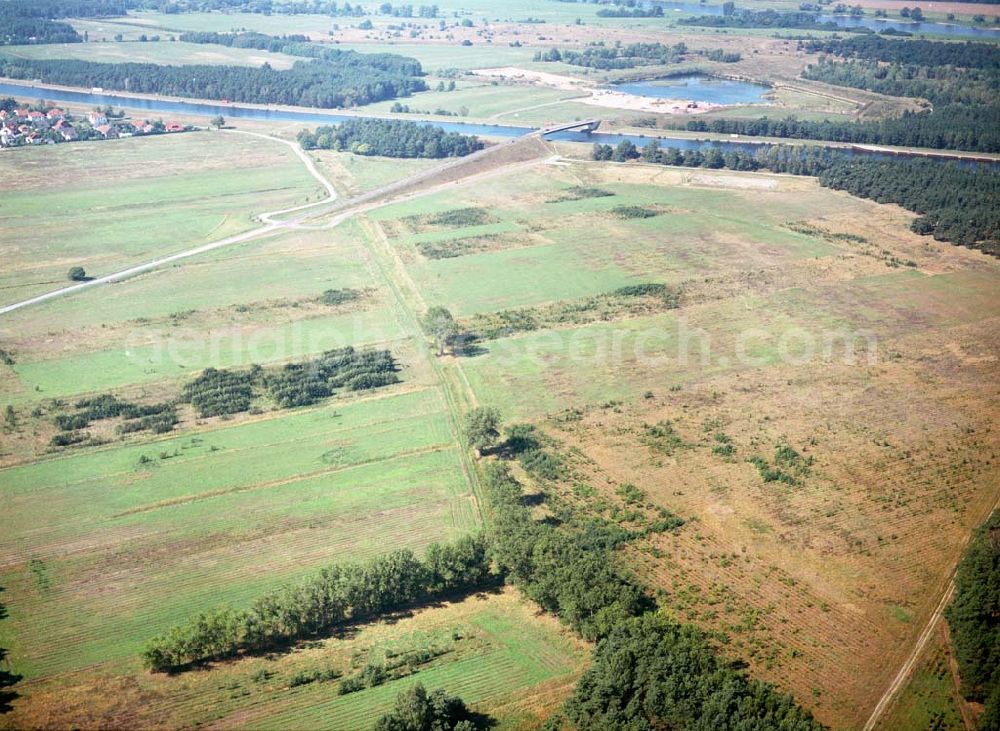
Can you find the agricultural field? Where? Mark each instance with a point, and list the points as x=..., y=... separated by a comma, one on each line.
x=162, y=52
x=769, y=405
x=491, y=648
x=106, y=206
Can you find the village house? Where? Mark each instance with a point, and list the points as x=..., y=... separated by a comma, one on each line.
x=175, y=127
x=97, y=118
x=55, y=114
x=106, y=131
x=37, y=119
x=66, y=130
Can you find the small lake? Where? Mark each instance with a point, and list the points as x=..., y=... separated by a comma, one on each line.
x=699, y=88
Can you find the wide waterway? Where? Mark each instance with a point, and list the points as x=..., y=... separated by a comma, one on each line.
x=234, y=111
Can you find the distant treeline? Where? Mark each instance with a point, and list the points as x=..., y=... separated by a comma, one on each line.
x=345, y=592
x=263, y=7
x=974, y=620
x=390, y=138
x=249, y=39
x=600, y=56
x=767, y=19
x=952, y=127
x=617, y=11
x=26, y=21
x=920, y=52
x=956, y=203
x=647, y=671
x=351, y=79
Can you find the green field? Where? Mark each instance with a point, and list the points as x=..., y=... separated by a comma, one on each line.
x=106, y=205
x=228, y=512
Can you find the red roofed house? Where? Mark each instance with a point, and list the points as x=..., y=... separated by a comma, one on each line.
x=106, y=130
x=67, y=130
x=175, y=127
x=55, y=113
x=97, y=118
x=38, y=119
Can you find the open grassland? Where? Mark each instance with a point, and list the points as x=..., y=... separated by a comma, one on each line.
x=257, y=303
x=172, y=53
x=105, y=205
x=820, y=582
x=494, y=650
x=108, y=547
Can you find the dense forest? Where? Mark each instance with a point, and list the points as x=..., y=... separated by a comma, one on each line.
x=941, y=85
x=974, y=620
x=351, y=79
x=918, y=52
x=345, y=592
x=390, y=138
x=25, y=22
x=952, y=127
x=956, y=203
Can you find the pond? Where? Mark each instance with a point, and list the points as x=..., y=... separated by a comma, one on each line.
x=699, y=88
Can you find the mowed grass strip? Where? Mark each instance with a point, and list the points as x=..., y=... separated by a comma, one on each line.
x=236, y=511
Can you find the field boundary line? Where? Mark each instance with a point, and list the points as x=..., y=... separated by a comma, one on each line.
x=184, y=500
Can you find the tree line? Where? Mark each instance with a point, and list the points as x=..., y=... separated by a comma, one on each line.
x=956, y=202
x=974, y=620
x=345, y=80
x=341, y=593
x=390, y=138
x=953, y=127
x=248, y=39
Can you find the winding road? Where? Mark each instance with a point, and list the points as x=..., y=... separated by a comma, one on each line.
x=270, y=226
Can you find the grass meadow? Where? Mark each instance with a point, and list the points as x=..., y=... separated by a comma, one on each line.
x=106, y=205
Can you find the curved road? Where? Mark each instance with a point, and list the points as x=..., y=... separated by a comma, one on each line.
x=270, y=226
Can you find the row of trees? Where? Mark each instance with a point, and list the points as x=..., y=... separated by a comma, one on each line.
x=249, y=39
x=956, y=202
x=346, y=592
x=974, y=620
x=346, y=80
x=390, y=138
x=952, y=127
